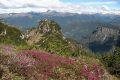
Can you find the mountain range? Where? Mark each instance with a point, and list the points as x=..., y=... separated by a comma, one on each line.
x=73, y=25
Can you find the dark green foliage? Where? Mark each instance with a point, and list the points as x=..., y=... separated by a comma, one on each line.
x=118, y=42
x=112, y=62
x=56, y=44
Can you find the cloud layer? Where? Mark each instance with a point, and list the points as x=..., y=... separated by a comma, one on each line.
x=18, y=6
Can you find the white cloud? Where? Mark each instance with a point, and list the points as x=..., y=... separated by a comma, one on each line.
x=18, y=6
x=22, y=3
x=99, y=3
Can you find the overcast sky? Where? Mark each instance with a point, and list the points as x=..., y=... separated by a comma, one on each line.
x=74, y=6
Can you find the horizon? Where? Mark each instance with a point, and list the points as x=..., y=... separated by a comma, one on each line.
x=72, y=6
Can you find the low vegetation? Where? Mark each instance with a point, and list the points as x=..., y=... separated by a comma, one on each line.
x=112, y=62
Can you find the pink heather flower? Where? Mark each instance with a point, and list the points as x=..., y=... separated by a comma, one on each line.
x=85, y=70
x=98, y=71
x=23, y=60
x=92, y=74
x=44, y=62
x=7, y=49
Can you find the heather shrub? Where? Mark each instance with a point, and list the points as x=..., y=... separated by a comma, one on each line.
x=5, y=73
x=34, y=64
x=29, y=63
x=92, y=73
x=68, y=72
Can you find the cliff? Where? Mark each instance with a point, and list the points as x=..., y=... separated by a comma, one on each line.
x=103, y=39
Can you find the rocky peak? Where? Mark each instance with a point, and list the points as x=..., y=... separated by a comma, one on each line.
x=48, y=26
x=45, y=28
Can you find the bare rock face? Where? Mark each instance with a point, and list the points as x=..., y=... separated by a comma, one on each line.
x=103, y=33
x=103, y=39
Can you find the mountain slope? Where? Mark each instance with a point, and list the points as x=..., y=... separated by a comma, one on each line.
x=35, y=64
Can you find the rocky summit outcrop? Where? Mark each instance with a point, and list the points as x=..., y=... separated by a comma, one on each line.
x=46, y=27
